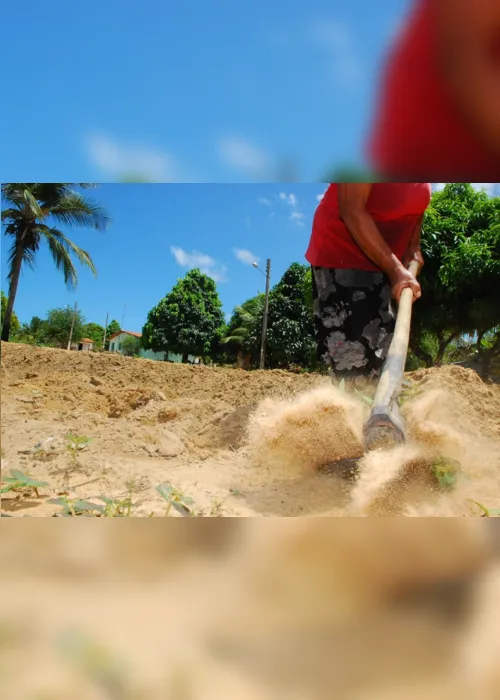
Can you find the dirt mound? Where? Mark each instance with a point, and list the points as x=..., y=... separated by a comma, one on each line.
x=94, y=380
x=469, y=398
x=234, y=442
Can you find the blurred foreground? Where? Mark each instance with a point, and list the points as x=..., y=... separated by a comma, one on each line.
x=207, y=609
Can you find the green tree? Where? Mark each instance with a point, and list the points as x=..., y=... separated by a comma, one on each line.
x=32, y=333
x=14, y=321
x=113, y=327
x=186, y=320
x=95, y=332
x=57, y=327
x=461, y=278
x=130, y=346
x=241, y=333
x=290, y=333
x=31, y=211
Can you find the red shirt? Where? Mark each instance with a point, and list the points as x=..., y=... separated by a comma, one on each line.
x=418, y=132
x=395, y=208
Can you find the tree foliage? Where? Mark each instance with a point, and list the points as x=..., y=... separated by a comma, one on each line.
x=56, y=329
x=14, y=321
x=113, y=327
x=95, y=332
x=187, y=319
x=461, y=277
x=290, y=333
x=32, y=215
x=32, y=333
x=240, y=335
x=130, y=345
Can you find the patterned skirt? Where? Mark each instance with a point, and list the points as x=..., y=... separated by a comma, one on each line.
x=354, y=318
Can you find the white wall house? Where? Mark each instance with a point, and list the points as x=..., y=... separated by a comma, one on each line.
x=83, y=344
x=116, y=340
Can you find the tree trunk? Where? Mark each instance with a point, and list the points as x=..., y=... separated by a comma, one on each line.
x=443, y=344
x=421, y=354
x=16, y=271
x=185, y=356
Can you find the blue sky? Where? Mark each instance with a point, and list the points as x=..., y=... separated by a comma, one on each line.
x=218, y=91
x=159, y=231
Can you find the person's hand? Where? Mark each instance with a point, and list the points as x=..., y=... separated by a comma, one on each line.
x=416, y=255
x=401, y=278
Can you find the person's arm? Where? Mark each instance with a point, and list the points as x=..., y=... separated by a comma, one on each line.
x=361, y=226
x=413, y=251
x=468, y=51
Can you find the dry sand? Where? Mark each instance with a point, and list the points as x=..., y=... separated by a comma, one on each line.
x=238, y=443
x=295, y=608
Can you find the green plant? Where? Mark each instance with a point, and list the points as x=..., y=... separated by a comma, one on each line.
x=175, y=499
x=108, y=508
x=488, y=512
x=75, y=444
x=17, y=480
x=216, y=508
x=446, y=472
x=409, y=393
x=77, y=506
x=130, y=346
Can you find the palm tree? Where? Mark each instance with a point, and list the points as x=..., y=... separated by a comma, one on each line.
x=242, y=327
x=32, y=207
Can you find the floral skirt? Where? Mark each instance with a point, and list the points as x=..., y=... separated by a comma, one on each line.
x=354, y=318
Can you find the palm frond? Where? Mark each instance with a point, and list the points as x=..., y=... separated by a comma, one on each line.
x=235, y=338
x=23, y=195
x=12, y=214
x=61, y=248
x=31, y=202
x=75, y=210
x=62, y=260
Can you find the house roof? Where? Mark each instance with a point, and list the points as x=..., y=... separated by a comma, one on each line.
x=86, y=340
x=136, y=335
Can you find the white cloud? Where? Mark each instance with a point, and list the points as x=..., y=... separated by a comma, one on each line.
x=289, y=199
x=298, y=217
x=319, y=197
x=265, y=201
x=204, y=262
x=245, y=256
x=337, y=42
x=242, y=154
x=117, y=160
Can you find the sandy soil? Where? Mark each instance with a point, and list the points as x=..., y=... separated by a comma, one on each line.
x=237, y=443
x=295, y=608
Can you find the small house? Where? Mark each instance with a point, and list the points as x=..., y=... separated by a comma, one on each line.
x=83, y=344
x=116, y=340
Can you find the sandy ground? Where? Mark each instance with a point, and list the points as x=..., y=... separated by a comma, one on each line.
x=237, y=443
x=275, y=609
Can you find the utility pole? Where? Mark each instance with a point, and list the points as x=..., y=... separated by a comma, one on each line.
x=105, y=331
x=264, y=320
x=72, y=327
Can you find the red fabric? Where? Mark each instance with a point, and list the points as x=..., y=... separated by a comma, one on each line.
x=395, y=208
x=418, y=132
